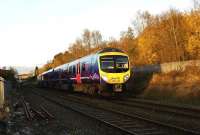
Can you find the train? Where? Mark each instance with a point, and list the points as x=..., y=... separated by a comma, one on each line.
x=105, y=72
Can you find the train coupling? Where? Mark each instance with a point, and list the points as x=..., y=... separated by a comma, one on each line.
x=117, y=88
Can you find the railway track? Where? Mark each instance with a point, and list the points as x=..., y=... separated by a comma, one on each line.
x=189, y=130
x=124, y=122
x=31, y=113
x=178, y=110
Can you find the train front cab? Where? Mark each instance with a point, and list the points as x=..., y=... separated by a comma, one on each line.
x=114, y=69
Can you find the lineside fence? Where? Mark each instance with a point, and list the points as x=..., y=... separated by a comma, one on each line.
x=166, y=67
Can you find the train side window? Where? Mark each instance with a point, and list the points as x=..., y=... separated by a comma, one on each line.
x=83, y=67
x=70, y=69
x=67, y=69
x=91, y=69
x=74, y=69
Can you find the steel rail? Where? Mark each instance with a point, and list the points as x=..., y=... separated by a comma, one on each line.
x=140, y=117
x=47, y=113
x=175, y=109
x=85, y=114
x=160, y=124
x=28, y=114
x=170, y=105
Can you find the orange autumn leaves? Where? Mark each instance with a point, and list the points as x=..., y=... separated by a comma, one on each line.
x=152, y=39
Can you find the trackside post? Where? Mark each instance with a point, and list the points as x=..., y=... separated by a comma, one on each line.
x=1, y=92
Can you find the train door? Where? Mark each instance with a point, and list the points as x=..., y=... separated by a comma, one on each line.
x=78, y=73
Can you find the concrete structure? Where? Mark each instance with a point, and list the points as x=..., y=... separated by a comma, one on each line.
x=166, y=67
x=1, y=92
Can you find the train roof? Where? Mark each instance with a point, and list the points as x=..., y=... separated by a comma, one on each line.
x=50, y=70
x=109, y=50
x=64, y=66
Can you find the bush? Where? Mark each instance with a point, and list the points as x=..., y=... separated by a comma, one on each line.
x=176, y=85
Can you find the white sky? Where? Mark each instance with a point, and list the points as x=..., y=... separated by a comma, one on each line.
x=33, y=31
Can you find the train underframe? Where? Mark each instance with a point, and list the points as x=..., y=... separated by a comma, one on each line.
x=103, y=89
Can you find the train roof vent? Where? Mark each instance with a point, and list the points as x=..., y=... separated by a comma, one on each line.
x=110, y=50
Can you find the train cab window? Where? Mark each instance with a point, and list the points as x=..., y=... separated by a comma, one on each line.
x=122, y=62
x=114, y=64
x=107, y=63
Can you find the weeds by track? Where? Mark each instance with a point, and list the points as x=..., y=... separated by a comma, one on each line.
x=122, y=121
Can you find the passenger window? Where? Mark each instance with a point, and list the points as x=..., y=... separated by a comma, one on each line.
x=67, y=69
x=70, y=69
x=74, y=69
x=83, y=67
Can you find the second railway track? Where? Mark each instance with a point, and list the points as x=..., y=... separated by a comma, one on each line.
x=129, y=124
x=189, y=112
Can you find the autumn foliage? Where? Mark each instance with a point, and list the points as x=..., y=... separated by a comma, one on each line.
x=152, y=39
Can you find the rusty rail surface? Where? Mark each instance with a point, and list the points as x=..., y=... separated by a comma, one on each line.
x=31, y=113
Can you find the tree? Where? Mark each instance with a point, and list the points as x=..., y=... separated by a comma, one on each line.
x=36, y=71
x=96, y=39
x=170, y=36
x=142, y=20
x=129, y=34
x=113, y=43
x=196, y=5
x=57, y=60
x=193, y=21
x=78, y=49
x=87, y=40
x=128, y=43
x=194, y=46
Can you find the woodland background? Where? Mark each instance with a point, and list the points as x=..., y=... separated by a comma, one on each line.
x=151, y=39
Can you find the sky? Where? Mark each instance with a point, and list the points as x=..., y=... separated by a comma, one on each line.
x=33, y=31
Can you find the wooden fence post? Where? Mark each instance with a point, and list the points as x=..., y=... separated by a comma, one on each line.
x=1, y=92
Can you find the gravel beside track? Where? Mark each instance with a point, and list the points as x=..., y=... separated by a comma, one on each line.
x=74, y=123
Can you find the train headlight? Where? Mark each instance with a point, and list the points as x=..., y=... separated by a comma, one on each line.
x=105, y=78
x=126, y=77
